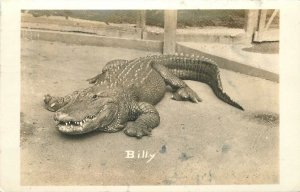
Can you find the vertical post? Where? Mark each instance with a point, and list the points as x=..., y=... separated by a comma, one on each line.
x=259, y=34
x=170, y=25
x=251, y=23
x=262, y=20
x=141, y=21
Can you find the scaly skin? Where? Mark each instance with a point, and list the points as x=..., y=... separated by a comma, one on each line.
x=128, y=90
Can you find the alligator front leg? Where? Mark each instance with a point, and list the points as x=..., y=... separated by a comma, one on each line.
x=182, y=90
x=146, y=117
x=56, y=103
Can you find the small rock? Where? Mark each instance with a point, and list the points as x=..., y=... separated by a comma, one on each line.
x=163, y=149
x=184, y=157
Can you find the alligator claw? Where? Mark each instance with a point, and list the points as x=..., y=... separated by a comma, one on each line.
x=137, y=131
x=186, y=93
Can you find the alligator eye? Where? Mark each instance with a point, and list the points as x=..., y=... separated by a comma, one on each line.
x=94, y=96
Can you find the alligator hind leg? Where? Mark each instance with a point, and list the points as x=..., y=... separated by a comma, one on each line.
x=56, y=103
x=147, y=118
x=182, y=90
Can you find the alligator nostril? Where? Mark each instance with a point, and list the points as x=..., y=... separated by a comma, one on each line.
x=47, y=98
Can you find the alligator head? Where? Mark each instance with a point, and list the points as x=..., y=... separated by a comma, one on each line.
x=94, y=108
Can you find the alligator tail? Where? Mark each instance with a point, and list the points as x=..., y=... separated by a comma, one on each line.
x=199, y=69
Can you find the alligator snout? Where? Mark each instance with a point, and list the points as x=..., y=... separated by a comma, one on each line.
x=63, y=117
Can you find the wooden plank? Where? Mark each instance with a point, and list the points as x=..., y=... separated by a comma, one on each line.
x=92, y=40
x=271, y=19
x=268, y=35
x=170, y=19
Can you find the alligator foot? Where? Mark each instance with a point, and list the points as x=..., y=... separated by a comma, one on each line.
x=53, y=103
x=137, y=131
x=186, y=93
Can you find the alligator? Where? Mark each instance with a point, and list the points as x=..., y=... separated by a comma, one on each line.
x=127, y=90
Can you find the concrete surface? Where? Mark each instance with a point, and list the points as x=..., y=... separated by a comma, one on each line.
x=206, y=143
x=231, y=57
x=240, y=58
x=237, y=52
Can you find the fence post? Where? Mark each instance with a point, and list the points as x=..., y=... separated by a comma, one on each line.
x=261, y=26
x=141, y=21
x=170, y=25
x=251, y=23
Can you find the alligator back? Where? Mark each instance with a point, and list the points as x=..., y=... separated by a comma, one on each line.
x=150, y=85
x=137, y=76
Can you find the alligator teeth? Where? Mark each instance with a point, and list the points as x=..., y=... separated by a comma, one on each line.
x=81, y=123
x=71, y=126
x=66, y=123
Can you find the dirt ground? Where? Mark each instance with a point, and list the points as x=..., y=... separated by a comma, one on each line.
x=206, y=143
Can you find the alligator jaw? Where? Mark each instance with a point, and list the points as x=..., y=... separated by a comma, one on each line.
x=74, y=127
x=100, y=120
